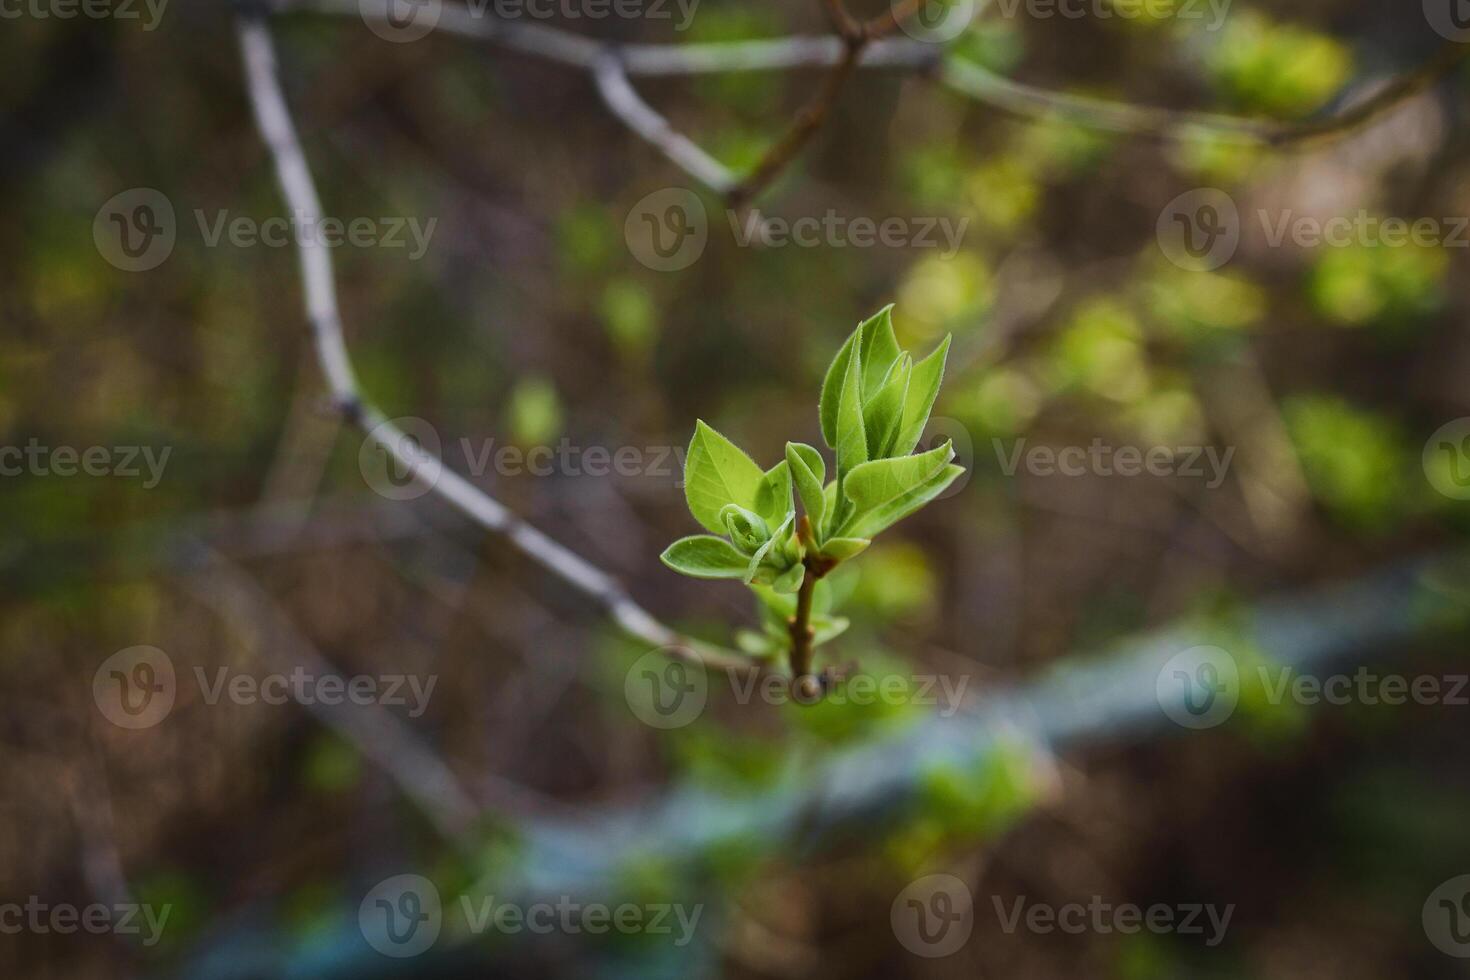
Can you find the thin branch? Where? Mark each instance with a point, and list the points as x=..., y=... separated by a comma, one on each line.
x=849, y=28
x=1020, y=99
x=802, y=128
x=279, y=133
x=577, y=51
x=623, y=101
x=964, y=77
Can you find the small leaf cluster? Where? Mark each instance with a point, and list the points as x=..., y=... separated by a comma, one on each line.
x=875, y=402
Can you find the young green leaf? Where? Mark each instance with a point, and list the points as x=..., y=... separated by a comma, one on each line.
x=789, y=581
x=746, y=529
x=841, y=549
x=827, y=628
x=759, y=557
x=876, y=483
x=716, y=473
x=773, y=496
x=704, y=556
x=879, y=518
x=852, y=443
x=919, y=401
x=830, y=504
x=832, y=388
x=883, y=411
x=758, y=644
x=877, y=349
x=808, y=470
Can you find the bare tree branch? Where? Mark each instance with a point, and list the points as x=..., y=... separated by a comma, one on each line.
x=276, y=128
x=1020, y=99
x=880, y=51
x=624, y=102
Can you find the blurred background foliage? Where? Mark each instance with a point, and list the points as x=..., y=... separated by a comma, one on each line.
x=528, y=321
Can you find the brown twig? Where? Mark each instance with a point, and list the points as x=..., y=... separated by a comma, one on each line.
x=855, y=38
x=806, y=686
